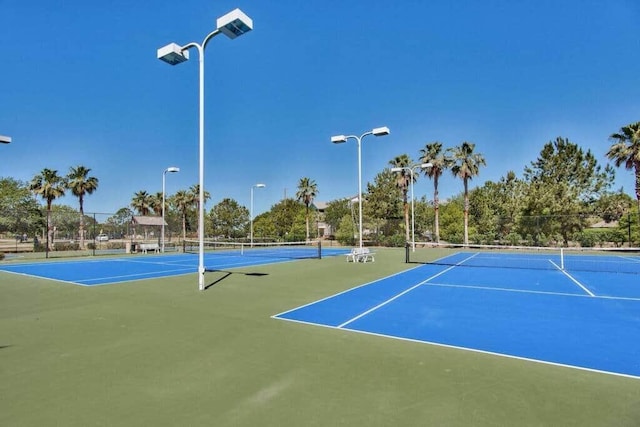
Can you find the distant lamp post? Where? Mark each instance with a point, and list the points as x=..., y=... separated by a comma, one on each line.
x=5, y=139
x=411, y=170
x=339, y=139
x=171, y=169
x=232, y=25
x=251, y=213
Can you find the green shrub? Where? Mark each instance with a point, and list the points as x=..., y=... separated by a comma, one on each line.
x=395, y=241
x=1, y=256
x=66, y=246
x=513, y=238
x=586, y=239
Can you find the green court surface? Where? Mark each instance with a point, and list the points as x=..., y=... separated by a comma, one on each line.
x=159, y=352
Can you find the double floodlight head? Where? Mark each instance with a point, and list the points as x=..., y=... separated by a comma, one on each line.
x=5, y=139
x=421, y=166
x=339, y=139
x=232, y=25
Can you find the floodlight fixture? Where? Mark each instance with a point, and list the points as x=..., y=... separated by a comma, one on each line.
x=171, y=169
x=251, y=212
x=381, y=131
x=5, y=139
x=173, y=54
x=338, y=139
x=234, y=24
x=426, y=165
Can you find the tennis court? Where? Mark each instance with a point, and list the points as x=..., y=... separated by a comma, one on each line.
x=223, y=256
x=527, y=306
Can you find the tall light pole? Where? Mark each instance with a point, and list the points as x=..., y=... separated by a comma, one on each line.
x=339, y=139
x=411, y=170
x=251, y=213
x=233, y=24
x=5, y=139
x=171, y=169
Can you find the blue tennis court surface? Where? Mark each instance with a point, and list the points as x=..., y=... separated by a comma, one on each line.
x=588, y=320
x=137, y=267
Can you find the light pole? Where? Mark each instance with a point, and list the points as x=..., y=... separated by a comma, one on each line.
x=171, y=169
x=411, y=170
x=5, y=139
x=233, y=24
x=251, y=213
x=339, y=139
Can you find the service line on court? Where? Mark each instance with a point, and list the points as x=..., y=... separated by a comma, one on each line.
x=574, y=280
x=406, y=291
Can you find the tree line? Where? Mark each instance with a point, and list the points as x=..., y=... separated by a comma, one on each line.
x=556, y=198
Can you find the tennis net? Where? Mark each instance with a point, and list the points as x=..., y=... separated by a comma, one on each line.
x=611, y=260
x=291, y=250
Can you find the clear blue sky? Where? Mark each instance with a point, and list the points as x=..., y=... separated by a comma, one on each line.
x=80, y=85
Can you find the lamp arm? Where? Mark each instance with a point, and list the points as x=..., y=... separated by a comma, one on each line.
x=211, y=35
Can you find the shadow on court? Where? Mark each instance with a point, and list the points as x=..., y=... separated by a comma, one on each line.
x=226, y=274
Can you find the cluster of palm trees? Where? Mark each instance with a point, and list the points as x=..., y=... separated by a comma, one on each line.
x=462, y=161
x=184, y=201
x=50, y=186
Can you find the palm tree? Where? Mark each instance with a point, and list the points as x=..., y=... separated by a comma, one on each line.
x=626, y=150
x=49, y=185
x=156, y=203
x=465, y=165
x=403, y=181
x=307, y=191
x=195, y=192
x=80, y=183
x=433, y=153
x=183, y=201
x=142, y=202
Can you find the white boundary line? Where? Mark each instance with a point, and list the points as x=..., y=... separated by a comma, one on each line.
x=344, y=292
x=382, y=304
x=573, y=279
x=529, y=291
x=160, y=275
x=474, y=350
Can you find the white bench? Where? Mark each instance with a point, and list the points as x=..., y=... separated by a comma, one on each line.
x=146, y=247
x=360, y=255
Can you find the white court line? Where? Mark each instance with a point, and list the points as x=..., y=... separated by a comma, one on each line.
x=382, y=304
x=474, y=350
x=572, y=279
x=529, y=291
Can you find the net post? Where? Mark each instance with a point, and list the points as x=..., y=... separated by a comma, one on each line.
x=319, y=249
x=562, y=259
x=407, y=249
